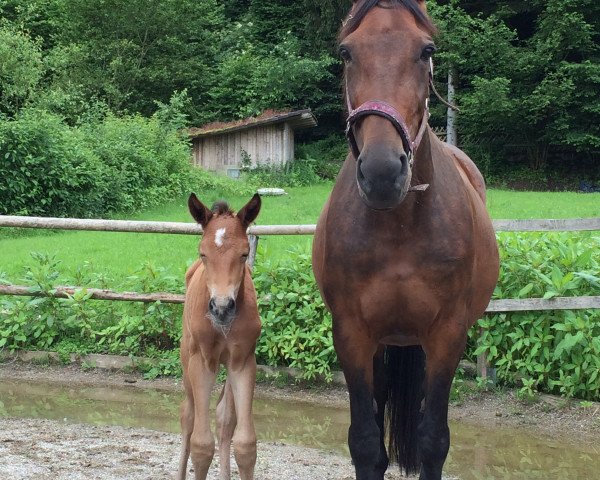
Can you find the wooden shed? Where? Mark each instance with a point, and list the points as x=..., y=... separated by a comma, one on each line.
x=264, y=140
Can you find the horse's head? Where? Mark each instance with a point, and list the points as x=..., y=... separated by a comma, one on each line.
x=386, y=47
x=224, y=249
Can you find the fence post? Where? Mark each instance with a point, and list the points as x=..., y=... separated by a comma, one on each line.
x=253, y=239
x=484, y=371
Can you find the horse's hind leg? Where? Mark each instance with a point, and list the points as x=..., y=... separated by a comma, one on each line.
x=226, y=421
x=186, y=416
x=444, y=349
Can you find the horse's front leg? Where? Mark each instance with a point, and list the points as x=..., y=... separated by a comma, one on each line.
x=444, y=348
x=355, y=352
x=380, y=393
x=202, y=441
x=226, y=421
x=242, y=375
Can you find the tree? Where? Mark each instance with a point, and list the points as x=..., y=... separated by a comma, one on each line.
x=21, y=68
x=133, y=53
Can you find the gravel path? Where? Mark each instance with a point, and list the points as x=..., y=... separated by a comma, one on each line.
x=57, y=450
x=45, y=449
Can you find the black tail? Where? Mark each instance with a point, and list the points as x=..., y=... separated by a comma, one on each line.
x=405, y=369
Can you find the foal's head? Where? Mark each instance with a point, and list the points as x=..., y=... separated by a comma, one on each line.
x=224, y=249
x=386, y=47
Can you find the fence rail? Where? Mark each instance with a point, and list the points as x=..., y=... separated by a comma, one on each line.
x=182, y=228
x=504, y=305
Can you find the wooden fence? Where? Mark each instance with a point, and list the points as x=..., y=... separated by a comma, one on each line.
x=505, y=305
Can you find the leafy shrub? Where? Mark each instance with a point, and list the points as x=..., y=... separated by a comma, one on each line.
x=46, y=168
x=299, y=173
x=79, y=324
x=329, y=154
x=296, y=326
x=118, y=164
x=551, y=351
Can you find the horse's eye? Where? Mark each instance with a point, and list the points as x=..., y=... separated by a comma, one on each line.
x=202, y=257
x=427, y=52
x=244, y=257
x=345, y=54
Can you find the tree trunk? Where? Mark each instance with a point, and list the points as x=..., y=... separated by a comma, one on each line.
x=451, y=134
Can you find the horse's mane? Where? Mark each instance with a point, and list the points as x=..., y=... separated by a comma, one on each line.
x=222, y=208
x=362, y=7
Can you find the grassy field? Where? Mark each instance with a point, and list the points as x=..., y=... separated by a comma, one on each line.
x=121, y=254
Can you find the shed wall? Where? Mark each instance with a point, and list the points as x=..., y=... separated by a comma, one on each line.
x=269, y=144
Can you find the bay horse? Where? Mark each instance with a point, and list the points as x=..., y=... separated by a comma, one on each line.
x=221, y=325
x=404, y=251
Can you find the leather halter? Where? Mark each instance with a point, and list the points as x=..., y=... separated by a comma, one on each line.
x=387, y=111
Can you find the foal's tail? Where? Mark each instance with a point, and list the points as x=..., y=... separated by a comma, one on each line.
x=405, y=369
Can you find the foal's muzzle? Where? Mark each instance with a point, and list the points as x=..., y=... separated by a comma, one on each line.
x=222, y=310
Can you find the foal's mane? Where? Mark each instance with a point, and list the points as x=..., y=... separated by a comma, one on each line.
x=222, y=208
x=362, y=7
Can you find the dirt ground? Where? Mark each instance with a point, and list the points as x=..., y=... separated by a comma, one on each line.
x=46, y=449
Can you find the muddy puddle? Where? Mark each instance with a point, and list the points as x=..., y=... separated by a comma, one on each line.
x=477, y=453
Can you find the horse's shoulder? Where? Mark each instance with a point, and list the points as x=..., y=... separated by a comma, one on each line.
x=468, y=168
x=191, y=271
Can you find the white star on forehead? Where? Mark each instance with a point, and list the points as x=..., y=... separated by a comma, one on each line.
x=219, y=237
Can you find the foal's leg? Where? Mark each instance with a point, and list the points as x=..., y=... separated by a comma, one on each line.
x=226, y=421
x=186, y=416
x=444, y=349
x=243, y=380
x=355, y=352
x=202, y=442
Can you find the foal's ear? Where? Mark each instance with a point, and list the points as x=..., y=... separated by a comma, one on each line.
x=249, y=212
x=200, y=213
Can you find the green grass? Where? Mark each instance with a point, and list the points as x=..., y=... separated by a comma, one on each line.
x=507, y=204
x=121, y=254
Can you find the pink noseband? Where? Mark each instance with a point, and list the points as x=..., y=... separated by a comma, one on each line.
x=385, y=110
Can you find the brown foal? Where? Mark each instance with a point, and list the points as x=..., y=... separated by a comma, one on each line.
x=220, y=326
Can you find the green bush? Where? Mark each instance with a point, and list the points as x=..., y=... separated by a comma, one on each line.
x=551, y=351
x=329, y=152
x=299, y=173
x=46, y=168
x=296, y=326
x=79, y=324
x=113, y=165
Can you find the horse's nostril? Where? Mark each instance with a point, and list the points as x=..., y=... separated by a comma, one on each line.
x=364, y=183
x=405, y=164
x=231, y=304
x=212, y=306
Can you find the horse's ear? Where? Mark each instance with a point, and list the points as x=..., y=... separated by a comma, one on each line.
x=200, y=213
x=249, y=212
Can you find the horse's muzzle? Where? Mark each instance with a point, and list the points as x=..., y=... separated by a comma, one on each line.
x=222, y=310
x=383, y=179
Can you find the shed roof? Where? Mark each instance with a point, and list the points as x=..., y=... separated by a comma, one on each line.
x=296, y=119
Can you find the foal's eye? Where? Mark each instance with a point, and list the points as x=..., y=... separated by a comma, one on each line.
x=244, y=257
x=427, y=52
x=345, y=54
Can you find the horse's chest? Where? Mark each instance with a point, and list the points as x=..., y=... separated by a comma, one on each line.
x=383, y=276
